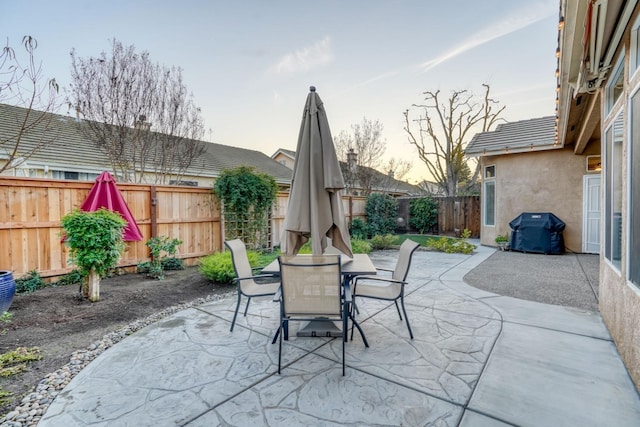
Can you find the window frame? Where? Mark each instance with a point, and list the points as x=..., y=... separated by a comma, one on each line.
x=616, y=73
x=491, y=180
x=634, y=49
x=633, y=229
x=613, y=187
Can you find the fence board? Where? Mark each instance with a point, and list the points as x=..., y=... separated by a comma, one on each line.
x=454, y=214
x=31, y=210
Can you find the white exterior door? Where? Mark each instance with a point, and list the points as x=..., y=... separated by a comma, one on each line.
x=591, y=214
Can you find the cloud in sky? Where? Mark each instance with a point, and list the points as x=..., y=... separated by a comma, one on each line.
x=517, y=20
x=304, y=59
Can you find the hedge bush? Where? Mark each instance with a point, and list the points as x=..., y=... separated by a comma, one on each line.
x=382, y=211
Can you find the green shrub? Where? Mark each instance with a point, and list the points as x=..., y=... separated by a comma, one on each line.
x=143, y=267
x=5, y=319
x=167, y=264
x=360, y=246
x=379, y=242
x=94, y=239
x=358, y=229
x=172, y=263
x=30, y=283
x=218, y=267
x=72, y=278
x=247, y=197
x=452, y=244
x=502, y=238
x=382, y=211
x=160, y=247
x=423, y=214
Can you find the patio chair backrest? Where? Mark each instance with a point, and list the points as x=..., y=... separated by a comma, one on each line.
x=407, y=249
x=311, y=285
x=240, y=260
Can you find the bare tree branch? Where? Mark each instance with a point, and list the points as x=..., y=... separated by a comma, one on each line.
x=22, y=85
x=139, y=113
x=442, y=147
x=365, y=146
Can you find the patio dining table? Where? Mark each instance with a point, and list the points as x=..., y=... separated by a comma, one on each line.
x=359, y=265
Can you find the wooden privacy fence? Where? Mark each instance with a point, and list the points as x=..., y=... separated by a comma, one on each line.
x=31, y=210
x=454, y=214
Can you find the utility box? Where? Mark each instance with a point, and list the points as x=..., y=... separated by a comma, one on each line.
x=538, y=233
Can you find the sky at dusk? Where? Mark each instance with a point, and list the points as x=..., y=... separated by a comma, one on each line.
x=249, y=64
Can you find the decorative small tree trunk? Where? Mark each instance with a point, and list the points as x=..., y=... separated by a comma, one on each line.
x=93, y=286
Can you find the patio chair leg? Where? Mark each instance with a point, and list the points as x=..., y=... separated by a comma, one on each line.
x=406, y=318
x=398, y=308
x=352, y=315
x=285, y=332
x=247, y=307
x=235, y=314
x=280, y=348
x=364, y=339
x=344, y=338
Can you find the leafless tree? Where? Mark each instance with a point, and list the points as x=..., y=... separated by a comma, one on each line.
x=395, y=172
x=23, y=85
x=443, y=131
x=138, y=113
x=361, y=154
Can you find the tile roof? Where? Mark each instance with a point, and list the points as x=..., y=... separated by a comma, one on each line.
x=70, y=148
x=289, y=153
x=384, y=181
x=524, y=135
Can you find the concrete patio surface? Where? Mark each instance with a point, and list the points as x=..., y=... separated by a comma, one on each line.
x=478, y=359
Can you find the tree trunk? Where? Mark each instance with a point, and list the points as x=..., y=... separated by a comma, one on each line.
x=93, y=286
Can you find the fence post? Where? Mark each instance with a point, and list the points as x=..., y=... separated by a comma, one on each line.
x=154, y=211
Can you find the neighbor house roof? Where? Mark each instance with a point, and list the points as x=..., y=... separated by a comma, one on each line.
x=286, y=152
x=515, y=137
x=71, y=150
x=386, y=183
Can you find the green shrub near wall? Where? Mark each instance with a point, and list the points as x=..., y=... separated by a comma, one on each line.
x=423, y=214
x=382, y=211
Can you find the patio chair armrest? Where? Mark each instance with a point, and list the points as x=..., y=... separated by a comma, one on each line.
x=278, y=295
x=380, y=279
x=389, y=270
x=258, y=276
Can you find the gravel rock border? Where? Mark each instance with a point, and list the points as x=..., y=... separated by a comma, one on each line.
x=34, y=405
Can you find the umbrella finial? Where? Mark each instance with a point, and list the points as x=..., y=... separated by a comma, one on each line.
x=312, y=88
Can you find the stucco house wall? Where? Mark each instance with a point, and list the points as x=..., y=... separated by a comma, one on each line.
x=542, y=181
x=589, y=103
x=284, y=159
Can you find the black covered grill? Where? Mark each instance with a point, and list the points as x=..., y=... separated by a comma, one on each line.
x=537, y=232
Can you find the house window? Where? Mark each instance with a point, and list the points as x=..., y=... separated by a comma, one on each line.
x=594, y=164
x=185, y=183
x=613, y=89
x=634, y=197
x=634, y=63
x=614, y=137
x=77, y=176
x=489, y=195
x=490, y=172
x=72, y=175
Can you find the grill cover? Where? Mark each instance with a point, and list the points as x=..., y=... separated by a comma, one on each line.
x=537, y=232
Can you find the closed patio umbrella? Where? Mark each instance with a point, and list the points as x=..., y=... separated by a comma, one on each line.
x=315, y=209
x=105, y=194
